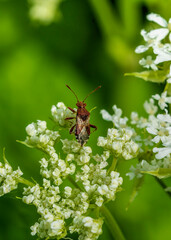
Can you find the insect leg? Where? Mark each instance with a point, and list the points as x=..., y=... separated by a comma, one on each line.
x=93, y=126
x=72, y=110
x=71, y=130
x=69, y=118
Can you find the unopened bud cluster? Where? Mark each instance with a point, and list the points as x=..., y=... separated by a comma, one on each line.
x=8, y=178
x=119, y=142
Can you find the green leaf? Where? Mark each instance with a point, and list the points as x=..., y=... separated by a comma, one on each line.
x=138, y=182
x=151, y=76
x=160, y=172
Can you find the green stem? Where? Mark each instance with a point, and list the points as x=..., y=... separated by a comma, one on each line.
x=163, y=185
x=105, y=17
x=74, y=183
x=112, y=224
x=113, y=165
x=26, y=182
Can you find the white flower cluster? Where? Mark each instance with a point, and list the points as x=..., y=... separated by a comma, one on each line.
x=119, y=142
x=44, y=11
x=40, y=137
x=8, y=178
x=90, y=228
x=144, y=166
x=118, y=121
x=59, y=114
x=151, y=134
x=56, y=201
x=158, y=135
x=99, y=184
x=46, y=199
x=159, y=40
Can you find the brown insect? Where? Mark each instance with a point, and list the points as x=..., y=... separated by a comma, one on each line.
x=82, y=126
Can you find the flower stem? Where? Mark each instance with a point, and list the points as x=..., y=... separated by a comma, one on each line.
x=113, y=165
x=73, y=182
x=163, y=185
x=112, y=224
x=25, y=181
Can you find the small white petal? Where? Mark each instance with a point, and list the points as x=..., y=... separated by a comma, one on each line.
x=163, y=57
x=162, y=152
x=152, y=130
x=157, y=19
x=158, y=34
x=156, y=139
x=105, y=115
x=141, y=49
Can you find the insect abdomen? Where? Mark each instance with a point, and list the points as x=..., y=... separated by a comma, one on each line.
x=83, y=136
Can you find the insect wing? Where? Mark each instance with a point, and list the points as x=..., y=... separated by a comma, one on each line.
x=82, y=130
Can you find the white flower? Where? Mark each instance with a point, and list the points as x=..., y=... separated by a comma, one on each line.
x=44, y=11
x=149, y=107
x=162, y=152
x=67, y=191
x=101, y=141
x=87, y=221
x=148, y=63
x=59, y=114
x=41, y=126
x=166, y=26
x=99, y=201
x=162, y=100
x=163, y=53
x=102, y=189
x=116, y=118
x=150, y=42
x=31, y=130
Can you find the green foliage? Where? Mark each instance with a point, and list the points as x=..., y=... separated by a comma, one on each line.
x=160, y=173
x=37, y=61
x=150, y=76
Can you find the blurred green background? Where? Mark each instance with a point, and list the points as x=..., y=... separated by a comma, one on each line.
x=91, y=44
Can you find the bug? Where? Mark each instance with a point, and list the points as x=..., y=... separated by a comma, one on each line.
x=82, y=125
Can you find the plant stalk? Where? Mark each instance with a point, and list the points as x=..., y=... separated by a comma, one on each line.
x=26, y=182
x=112, y=224
x=163, y=185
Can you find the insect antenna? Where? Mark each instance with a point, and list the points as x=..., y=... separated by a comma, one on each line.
x=91, y=93
x=73, y=92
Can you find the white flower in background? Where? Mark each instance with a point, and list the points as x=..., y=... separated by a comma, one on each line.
x=163, y=100
x=116, y=118
x=157, y=40
x=150, y=107
x=149, y=43
x=44, y=11
x=145, y=166
x=148, y=63
x=163, y=53
x=166, y=26
x=162, y=152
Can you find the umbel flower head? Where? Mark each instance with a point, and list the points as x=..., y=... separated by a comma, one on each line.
x=157, y=51
x=57, y=202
